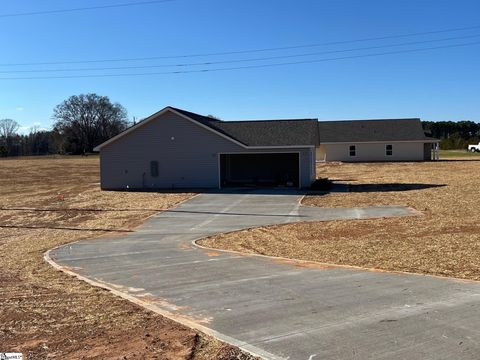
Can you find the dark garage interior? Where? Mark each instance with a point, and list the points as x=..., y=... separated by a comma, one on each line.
x=266, y=169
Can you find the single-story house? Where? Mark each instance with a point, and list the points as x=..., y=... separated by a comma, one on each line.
x=375, y=140
x=174, y=148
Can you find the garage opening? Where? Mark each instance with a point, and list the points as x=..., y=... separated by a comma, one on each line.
x=266, y=169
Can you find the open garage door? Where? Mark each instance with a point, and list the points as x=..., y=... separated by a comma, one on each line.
x=265, y=169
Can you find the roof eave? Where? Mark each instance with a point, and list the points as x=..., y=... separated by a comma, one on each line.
x=379, y=141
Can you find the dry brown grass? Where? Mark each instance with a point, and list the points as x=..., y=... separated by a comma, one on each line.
x=45, y=313
x=444, y=241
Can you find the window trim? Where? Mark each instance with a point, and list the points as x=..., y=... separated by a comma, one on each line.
x=354, y=150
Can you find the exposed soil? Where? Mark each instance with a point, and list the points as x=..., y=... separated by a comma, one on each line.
x=44, y=313
x=444, y=241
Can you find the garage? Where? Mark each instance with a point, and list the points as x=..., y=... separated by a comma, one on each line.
x=260, y=169
x=178, y=149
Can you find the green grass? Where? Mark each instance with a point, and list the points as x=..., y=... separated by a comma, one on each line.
x=458, y=153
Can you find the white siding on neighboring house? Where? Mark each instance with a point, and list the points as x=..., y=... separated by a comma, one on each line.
x=401, y=151
x=187, y=156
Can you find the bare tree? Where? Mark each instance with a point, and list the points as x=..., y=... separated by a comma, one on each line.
x=8, y=130
x=88, y=120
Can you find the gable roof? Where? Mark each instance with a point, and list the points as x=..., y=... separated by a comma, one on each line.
x=372, y=130
x=255, y=133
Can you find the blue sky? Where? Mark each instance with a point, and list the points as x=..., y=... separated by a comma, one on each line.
x=441, y=84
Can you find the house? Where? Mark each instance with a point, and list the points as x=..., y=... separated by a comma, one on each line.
x=375, y=140
x=174, y=148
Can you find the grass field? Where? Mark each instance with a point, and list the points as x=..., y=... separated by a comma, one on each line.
x=46, y=202
x=444, y=241
x=447, y=154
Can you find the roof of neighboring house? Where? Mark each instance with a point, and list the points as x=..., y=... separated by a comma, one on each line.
x=294, y=132
x=372, y=130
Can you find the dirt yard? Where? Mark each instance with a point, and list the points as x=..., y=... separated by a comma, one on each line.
x=44, y=313
x=444, y=241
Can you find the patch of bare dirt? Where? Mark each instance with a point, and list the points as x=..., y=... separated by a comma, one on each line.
x=44, y=313
x=444, y=241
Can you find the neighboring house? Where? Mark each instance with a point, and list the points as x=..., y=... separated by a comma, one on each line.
x=174, y=148
x=375, y=140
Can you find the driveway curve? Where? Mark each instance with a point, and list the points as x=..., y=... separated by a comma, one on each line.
x=275, y=308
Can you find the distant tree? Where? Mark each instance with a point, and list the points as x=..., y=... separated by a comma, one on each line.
x=37, y=142
x=87, y=120
x=8, y=128
x=453, y=135
x=8, y=131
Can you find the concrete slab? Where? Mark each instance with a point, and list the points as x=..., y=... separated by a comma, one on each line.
x=281, y=309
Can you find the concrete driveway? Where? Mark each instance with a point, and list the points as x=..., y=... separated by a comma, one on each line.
x=274, y=308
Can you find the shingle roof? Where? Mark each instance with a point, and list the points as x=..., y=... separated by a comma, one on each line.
x=371, y=130
x=302, y=132
x=271, y=132
x=295, y=132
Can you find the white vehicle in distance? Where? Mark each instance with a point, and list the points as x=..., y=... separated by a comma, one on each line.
x=474, y=148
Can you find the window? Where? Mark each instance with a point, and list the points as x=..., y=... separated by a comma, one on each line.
x=389, y=150
x=353, y=150
x=153, y=168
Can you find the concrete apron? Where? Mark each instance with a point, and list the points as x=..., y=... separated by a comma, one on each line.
x=275, y=308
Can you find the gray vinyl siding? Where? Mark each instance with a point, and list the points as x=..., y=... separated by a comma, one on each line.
x=187, y=156
x=402, y=151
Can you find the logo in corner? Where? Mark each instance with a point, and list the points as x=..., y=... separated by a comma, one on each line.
x=11, y=356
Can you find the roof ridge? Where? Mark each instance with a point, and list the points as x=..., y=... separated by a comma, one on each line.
x=190, y=112
x=251, y=120
x=355, y=120
x=267, y=120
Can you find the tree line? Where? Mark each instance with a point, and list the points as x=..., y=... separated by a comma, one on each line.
x=453, y=134
x=80, y=123
x=84, y=121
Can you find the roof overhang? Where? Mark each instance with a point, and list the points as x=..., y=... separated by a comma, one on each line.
x=380, y=142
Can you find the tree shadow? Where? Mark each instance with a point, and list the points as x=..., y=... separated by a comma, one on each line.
x=390, y=187
x=382, y=187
